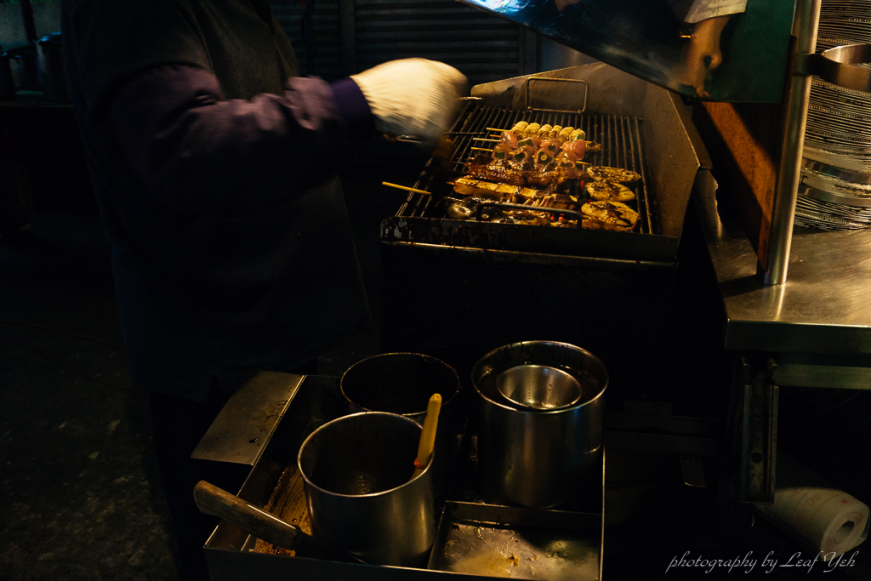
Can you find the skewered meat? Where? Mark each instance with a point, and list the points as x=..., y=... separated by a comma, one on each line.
x=509, y=139
x=552, y=146
x=539, y=166
x=577, y=147
x=472, y=187
x=613, y=174
x=615, y=192
x=607, y=215
x=521, y=171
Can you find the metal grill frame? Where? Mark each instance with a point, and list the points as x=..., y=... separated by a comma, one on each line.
x=665, y=146
x=619, y=136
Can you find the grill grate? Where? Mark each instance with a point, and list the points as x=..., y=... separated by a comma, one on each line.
x=619, y=136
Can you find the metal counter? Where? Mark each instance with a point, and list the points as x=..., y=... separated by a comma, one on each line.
x=821, y=317
x=813, y=331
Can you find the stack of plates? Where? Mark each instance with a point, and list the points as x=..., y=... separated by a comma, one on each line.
x=835, y=193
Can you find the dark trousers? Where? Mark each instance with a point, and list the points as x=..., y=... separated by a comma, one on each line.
x=179, y=425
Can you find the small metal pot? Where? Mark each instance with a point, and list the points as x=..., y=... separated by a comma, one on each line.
x=51, y=68
x=361, y=498
x=402, y=383
x=530, y=456
x=23, y=61
x=7, y=83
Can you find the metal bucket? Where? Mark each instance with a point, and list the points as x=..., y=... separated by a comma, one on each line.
x=530, y=456
x=51, y=68
x=402, y=383
x=356, y=471
x=7, y=83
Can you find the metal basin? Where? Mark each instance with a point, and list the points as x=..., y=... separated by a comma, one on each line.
x=361, y=498
x=533, y=457
x=402, y=383
x=539, y=387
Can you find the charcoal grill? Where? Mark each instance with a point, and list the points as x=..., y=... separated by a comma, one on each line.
x=620, y=137
x=454, y=287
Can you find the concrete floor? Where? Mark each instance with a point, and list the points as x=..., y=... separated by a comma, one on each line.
x=82, y=499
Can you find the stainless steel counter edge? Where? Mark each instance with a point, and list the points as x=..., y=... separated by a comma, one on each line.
x=824, y=307
x=242, y=429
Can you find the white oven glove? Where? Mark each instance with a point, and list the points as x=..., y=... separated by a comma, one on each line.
x=415, y=96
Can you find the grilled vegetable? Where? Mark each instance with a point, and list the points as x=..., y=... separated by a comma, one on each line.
x=542, y=157
x=614, y=192
x=531, y=130
x=607, y=215
x=577, y=134
x=473, y=187
x=613, y=174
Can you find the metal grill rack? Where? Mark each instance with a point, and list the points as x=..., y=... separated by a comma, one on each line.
x=619, y=137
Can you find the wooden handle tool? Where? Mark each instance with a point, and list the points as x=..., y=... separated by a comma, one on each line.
x=212, y=500
x=427, y=435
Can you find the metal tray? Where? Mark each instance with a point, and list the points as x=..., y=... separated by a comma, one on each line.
x=518, y=543
x=558, y=544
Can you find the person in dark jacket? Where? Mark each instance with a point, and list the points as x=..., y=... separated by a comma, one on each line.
x=213, y=164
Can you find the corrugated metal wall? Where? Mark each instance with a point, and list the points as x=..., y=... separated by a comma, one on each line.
x=484, y=47
x=325, y=35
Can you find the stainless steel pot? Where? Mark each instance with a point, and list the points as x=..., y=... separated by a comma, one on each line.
x=51, y=68
x=402, y=383
x=361, y=498
x=7, y=83
x=534, y=457
x=23, y=61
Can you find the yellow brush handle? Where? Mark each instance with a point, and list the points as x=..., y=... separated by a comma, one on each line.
x=427, y=435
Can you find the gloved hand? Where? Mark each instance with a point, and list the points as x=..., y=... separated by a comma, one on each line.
x=415, y=96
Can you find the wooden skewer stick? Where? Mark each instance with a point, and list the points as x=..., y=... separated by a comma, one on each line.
x=405, y=188
x=480, y=149
x=485, y=139
x=496, y=129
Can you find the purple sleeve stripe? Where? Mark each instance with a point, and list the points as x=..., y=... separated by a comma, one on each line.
x=354, y=109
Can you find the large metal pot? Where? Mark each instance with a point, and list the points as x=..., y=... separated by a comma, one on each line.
x=361, y=496
x=534, y=457
x=402, y=383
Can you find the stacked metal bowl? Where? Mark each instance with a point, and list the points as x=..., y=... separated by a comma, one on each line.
x=835, y=190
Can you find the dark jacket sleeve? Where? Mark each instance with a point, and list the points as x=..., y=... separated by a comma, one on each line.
x=146, y=88
x=198, y=152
